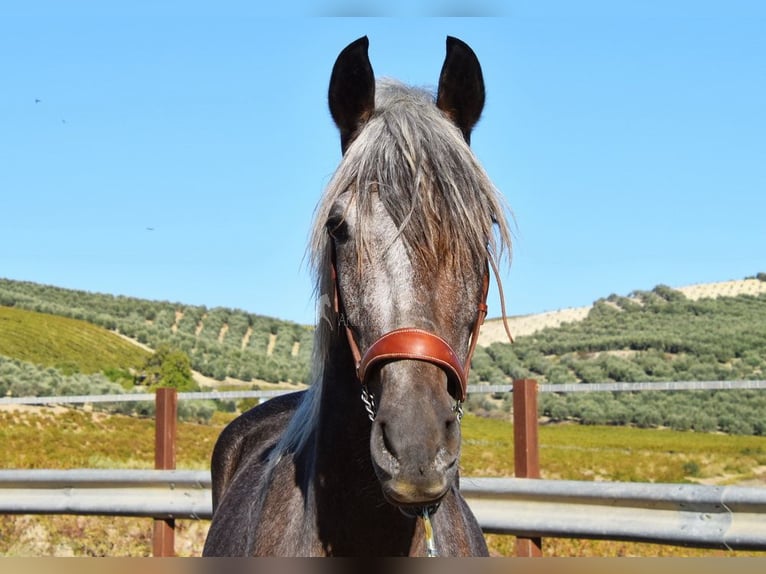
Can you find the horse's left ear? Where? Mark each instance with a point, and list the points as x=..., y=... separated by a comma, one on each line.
x=461, y=86
x=352, y=90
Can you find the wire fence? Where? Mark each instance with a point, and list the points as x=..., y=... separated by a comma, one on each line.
x=472, y=389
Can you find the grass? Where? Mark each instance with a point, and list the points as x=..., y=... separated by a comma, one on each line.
x=69, y=345
x=44, y=438
x=40, y=438
x=577, y=452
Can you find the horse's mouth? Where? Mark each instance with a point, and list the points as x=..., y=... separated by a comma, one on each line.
x=411, y=498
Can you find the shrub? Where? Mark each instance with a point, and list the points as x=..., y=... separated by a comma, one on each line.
x=737, y=426
x=679, y=421
x=703, y=422
x=691, y=468
x=199, y=411
x=554, y=406
x=647, y=417
x=171, y=368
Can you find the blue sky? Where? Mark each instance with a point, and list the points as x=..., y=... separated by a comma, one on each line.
x=176, y=150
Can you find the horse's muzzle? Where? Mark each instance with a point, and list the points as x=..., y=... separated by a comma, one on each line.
x=408, y=496
x=411, y=472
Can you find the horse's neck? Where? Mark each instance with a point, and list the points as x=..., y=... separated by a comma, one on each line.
x=352, y=515
x=343, y=433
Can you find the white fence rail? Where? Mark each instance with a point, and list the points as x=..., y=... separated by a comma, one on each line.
x=683, y=514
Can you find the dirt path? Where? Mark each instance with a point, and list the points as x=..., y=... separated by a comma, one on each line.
x=271, y=345
x=246, y=338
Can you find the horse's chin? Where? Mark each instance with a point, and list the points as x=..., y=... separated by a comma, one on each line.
x=419, y=511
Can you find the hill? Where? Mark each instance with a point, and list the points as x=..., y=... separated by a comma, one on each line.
x=658, y=335
x=220, y=342
x=651, y=335
x=47, y=355
x=69, y=345
x=493, y=331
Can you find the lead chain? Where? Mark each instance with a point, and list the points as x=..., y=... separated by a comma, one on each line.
x=369, y=403
x=458, y=409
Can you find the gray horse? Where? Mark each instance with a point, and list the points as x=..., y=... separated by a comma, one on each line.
x=365, y=462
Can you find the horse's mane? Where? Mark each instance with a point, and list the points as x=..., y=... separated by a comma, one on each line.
x=446, y=208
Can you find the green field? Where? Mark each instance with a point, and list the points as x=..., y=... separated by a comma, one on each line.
x=69, y=345
x=220, y=342
x=40, y=438
x=576, y=452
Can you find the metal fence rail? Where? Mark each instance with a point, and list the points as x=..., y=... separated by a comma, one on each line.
x=652, y=386
x=684, y=514
x=143, y=493
x=474, y=389
x=138, y=397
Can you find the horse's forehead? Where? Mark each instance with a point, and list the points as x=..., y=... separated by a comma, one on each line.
x=363, y=207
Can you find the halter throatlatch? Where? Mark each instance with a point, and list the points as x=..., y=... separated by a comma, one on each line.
x=414, y=344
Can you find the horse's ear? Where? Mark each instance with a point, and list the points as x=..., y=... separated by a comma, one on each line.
x=352, y=90
x=461, y=86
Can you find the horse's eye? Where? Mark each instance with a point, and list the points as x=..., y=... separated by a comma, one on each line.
x=337, y=228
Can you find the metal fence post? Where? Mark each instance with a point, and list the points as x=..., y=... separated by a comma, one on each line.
x=166, y=401
x=525, y=448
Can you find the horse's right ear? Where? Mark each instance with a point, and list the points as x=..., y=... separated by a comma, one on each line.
x=352, y=90
x=461, y=86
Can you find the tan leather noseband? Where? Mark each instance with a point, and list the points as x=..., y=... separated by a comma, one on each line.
x=410, y=343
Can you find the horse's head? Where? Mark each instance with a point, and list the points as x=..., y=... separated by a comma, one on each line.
x=408, y=221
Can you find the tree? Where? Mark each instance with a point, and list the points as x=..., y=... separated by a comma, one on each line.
x=169, y=367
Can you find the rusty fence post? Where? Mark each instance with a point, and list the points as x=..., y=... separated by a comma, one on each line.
x=166, y=401
x=525, y=448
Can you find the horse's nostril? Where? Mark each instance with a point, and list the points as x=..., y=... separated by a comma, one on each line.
x=387, y=444
x=452, y=430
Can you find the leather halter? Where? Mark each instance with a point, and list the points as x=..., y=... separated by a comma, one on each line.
x=410, y=343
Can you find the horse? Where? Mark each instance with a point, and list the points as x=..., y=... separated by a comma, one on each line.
x=365, y=461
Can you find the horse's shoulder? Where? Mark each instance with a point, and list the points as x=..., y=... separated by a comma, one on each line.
x=250, y=434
